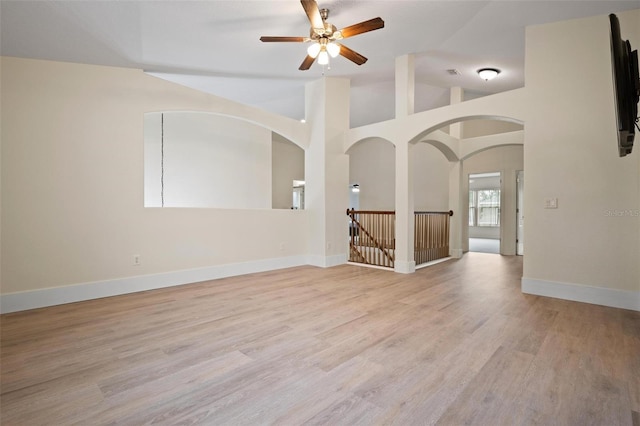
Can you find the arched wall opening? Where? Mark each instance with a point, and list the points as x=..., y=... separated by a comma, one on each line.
x=506, y=160
x=445, y=124
x=372, y=167
x=209, y=160
x=446, y=149
x=459, y=152
x=293, y=130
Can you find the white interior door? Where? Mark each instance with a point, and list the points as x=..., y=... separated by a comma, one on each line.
x=298, y=198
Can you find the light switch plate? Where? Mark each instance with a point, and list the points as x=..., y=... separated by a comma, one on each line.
x=550, y=203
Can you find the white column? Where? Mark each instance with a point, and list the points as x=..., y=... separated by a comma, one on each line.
x=404, y=254
x=456, y=95
x=405, y=85
x=405, y=99
x=455, y=204
x=327, y=171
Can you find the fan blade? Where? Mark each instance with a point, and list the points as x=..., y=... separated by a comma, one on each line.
x=287, y=39
x=362, y=27
x=313, y=13
x=351, y=55
x=306, y=64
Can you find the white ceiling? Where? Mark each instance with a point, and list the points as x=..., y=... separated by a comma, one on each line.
x=214, y=45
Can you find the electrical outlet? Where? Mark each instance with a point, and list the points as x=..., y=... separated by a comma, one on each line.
x=136, y=259
x=329, y=245
x=281, y=246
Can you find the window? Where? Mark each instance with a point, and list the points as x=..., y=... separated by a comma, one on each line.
x=472, y=208
x=484, y=207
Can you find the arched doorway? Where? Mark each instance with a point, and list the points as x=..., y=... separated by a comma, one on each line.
x=490, y=206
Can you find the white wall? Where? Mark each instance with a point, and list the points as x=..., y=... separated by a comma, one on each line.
x=288, y=165
x=582, y=250
x=491, y=232
x=72, y=179
x=372, y=166
x=72, y=187
x=209, y=161
x=430, y=178
x=476, y=128
x=571, y=154
x=327, y=170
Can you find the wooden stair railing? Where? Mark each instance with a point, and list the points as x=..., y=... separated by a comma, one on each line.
x=355, y=255
x=372, y=237
x=431, y=236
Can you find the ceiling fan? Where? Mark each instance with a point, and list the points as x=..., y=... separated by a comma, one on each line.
x=324, y=37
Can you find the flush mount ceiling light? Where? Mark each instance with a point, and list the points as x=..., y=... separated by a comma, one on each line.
x=488, y=73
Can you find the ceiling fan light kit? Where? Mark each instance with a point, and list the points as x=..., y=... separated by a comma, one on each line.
x=324, y=37
x=313, y=50
x=323, y=58
x=333, y=49
x=321, y=46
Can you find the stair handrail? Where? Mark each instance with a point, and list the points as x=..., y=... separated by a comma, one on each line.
x=376, y=243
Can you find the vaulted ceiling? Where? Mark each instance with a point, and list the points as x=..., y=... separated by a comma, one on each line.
x=214, y=45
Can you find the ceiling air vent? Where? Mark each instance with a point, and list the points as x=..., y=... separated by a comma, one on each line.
x=453, y=71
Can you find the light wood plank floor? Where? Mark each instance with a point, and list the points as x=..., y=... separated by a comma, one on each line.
x=455, y=343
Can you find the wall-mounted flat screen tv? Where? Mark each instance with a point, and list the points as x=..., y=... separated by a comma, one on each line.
x=626, y=87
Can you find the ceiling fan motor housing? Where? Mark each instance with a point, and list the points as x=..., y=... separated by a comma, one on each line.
x=330, y=31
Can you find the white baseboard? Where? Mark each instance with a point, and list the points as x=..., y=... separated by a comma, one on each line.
x=21, y=301
x=433, y=262
x=327, y=261
x=456, y=253
x=582, y=293
x=404, y=267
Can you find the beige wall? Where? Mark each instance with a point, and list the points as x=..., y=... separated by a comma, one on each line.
x=476, y=128
x=327, y=170
x=72, y=184
x=588, y=248
x=206, y=160
x=372, y=166
x=430, y=178
x=571, y=154
x=72, y=178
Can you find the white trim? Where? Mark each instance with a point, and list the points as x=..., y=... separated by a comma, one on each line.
x=433, y=262
x=327, y=261
x=367, y=265
x=404, y=267
x=455, y=253
x=24, y=300
x=623, y=299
